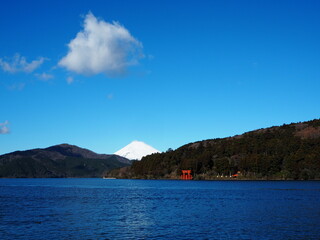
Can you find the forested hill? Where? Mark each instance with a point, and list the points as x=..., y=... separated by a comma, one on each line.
x=62, y=160
x=287, y=152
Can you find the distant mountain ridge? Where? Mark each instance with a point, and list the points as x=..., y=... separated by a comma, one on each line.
x=72, y=150
x=62, y=160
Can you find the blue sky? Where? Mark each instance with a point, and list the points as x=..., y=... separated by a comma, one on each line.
x=100, y=74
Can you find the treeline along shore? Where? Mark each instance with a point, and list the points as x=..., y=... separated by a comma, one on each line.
x=287, y=152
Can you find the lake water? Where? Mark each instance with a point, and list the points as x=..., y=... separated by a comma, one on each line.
x=156, y=209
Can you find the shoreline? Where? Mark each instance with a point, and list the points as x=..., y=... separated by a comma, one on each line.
x=168, y=179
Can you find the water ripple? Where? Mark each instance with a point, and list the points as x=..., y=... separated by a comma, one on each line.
x=142, y=209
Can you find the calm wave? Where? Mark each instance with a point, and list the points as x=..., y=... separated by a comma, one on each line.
x=154, y=209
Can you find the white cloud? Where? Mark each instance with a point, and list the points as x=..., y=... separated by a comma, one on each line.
x=44, y=76
x=70, y=80
x=19, y=64
x=16, y=86
x=110, y=96
x=102, y=47
x=4, y=128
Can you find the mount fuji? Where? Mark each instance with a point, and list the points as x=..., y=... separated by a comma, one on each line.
x=136, y=150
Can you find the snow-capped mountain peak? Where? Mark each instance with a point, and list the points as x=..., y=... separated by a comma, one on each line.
x=136, y=150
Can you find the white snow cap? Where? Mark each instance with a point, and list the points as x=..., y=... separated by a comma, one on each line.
x=136, y=150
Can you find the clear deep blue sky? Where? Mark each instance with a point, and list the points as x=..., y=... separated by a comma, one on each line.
x=210, y=69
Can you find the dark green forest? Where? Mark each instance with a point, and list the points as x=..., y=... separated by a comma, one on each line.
x=58, y=161
x=291, y=151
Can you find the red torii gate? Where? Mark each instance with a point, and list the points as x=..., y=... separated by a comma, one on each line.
x=186, y=175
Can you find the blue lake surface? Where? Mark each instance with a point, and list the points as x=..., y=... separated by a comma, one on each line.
x=158, y=209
